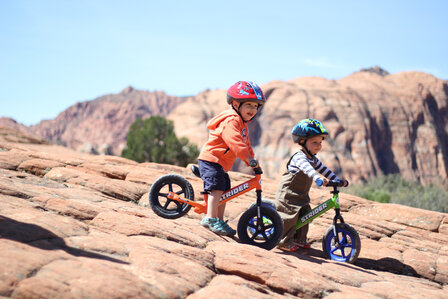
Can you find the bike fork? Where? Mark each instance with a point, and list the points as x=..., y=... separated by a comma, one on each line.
x=259, y=219
x=335, y=222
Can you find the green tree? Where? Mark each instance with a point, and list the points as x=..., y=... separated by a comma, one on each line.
x=154, y=140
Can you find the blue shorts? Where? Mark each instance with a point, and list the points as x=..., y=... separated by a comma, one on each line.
x=214, y=176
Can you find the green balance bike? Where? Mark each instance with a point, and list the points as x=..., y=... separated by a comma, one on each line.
x=340, y=242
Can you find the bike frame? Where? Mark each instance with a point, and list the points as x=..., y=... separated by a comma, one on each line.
x=201, y=208
x=321, y=209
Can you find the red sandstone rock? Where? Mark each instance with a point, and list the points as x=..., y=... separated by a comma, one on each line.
x=79, y=232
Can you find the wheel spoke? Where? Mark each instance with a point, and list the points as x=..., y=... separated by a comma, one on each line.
x=167, y=203
x=162, y=194
x=252, y=225
x=179, y=206
x=266, y=227
x=263, y=233
x=254, y=235
x=342, y=240
x=269, y=226
x=257, y=233
x=345, y=242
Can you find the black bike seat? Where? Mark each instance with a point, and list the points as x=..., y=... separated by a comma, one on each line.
x=195, y=170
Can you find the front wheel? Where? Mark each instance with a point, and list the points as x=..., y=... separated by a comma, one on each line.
x=165, y=207
x=348, y=247
x=265, y=235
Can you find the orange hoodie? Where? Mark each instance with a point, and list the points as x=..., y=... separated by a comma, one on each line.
x=228, y=140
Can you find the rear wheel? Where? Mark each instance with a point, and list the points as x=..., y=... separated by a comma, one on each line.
x=348, y=247
x=165, y=207
x=265, y=235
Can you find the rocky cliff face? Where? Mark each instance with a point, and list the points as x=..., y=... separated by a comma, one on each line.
x=75, y=225
x=101, y=125
x=379, y=123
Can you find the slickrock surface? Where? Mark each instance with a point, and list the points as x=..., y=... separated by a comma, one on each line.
x=76, y=225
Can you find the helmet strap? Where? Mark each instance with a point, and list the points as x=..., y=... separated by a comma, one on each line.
x=305, y=148
x=238, y=110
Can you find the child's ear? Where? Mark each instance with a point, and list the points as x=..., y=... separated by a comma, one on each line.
x=235, y=105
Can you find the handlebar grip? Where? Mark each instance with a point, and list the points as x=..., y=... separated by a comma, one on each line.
x=258, y=170
x=337, y=183
x=253, y=163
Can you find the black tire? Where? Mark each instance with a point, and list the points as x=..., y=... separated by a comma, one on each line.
x=265, y=202
x=268, y=234
x=349, y=245
x=165, y=207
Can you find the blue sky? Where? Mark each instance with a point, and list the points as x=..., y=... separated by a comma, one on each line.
x=56, y=53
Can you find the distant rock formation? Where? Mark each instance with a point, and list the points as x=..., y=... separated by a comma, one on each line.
x=379, y=123
x=376, y=70
x=105, y=120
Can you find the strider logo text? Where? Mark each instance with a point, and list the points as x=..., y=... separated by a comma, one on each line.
x=235, y=190
x=314, y=212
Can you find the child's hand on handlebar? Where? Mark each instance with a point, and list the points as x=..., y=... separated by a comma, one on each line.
x=321, y=182
x=256, y=166
x=253, y=163
x=337, y=183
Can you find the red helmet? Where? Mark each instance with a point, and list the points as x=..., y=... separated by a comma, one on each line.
x=244, y=91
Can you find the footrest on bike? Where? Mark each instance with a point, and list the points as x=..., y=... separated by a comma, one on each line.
x=200, y=210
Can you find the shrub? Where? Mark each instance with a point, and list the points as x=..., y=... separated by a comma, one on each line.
x=394, y=189
x=154, y=140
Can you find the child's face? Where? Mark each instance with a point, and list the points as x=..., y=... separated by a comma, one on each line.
x=314, y=144
x=248, y=110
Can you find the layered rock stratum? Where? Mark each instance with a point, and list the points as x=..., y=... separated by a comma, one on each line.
x=379, y=123
x=77, y=225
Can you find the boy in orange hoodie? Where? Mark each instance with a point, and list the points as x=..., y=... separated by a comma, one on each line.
x=228, y=140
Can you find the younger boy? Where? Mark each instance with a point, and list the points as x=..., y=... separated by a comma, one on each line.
x=301, y=170
x=228, y=140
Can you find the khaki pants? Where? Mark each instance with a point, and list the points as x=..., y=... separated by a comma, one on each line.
x=290, y=211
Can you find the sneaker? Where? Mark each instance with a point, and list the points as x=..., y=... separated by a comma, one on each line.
x=221, y=228
x=291, y=247
x=217, y=228
x=304, y=245
x=208, y=221
x=230, y=231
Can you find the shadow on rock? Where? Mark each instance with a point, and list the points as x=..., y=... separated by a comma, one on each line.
x=387, y=264
x=311, y=255
x=39, y=237
x=317, y=256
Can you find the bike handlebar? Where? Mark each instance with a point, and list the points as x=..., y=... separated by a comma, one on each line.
x=337, y=183
x=253, y=163
x=258, y=170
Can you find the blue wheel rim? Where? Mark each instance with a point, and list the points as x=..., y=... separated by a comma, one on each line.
x=345, y=249
x=253, y=224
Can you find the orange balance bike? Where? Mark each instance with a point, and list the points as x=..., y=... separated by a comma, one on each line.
x=172, y=196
